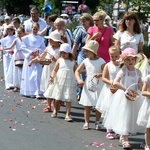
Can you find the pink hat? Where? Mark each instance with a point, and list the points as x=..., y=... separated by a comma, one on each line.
x=127, y=53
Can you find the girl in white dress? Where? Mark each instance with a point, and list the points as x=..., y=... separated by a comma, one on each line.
x=52, y=53
x=122, y=114
x=109, y=73
x=7, y=55
x=144, y=113
x=65, y=82
x=15, y=72
x=31, y=75
x=93, y=66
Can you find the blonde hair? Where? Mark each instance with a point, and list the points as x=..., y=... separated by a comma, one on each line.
x=88, y=17
x=101, y=14
x=59, y=20
x=114, y=49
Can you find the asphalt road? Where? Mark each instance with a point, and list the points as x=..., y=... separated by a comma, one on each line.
x=23, y=126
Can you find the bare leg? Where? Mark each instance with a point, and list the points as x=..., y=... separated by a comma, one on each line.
x=147, y=137
x=87, y=113
x=48, y=107
x=98, y=115
x=68, y=108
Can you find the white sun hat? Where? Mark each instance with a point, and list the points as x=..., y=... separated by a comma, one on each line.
x=65, y=47
x=55, y=36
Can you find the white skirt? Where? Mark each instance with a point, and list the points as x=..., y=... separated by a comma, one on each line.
x=122, y=115
x=104, y=100
x=144, y=114
x=89, y=98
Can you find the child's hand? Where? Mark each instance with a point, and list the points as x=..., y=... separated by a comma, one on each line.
x=80, y=83
x=98, y=75
x=113, y=89
x=11, y=52
x=51, y=80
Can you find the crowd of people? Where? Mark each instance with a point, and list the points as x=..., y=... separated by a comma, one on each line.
x=100, y=65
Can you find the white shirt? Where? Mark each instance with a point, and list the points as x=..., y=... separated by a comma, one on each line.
x=128, y=41
x=28, y=24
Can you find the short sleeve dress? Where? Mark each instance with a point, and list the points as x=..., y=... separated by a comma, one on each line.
x=65, y=83
x=92, y=67
x=144, y=113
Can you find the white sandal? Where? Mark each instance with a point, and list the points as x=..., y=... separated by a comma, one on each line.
x=86, y=126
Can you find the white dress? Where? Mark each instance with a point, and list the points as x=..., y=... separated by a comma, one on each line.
x=144, y=113
x=92, y=67
x=47, y=69
x=122, y=114
x=6, y=42
x=14, y=72
x=104, y=100
x=65, y=85
x=31, y=75
x=127, y=41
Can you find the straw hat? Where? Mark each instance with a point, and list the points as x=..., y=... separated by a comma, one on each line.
x=55, y=36
x=65, y=47
x=10, y=26
x=91, y=46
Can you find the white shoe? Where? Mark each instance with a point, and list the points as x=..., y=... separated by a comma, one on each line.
x=39, y=96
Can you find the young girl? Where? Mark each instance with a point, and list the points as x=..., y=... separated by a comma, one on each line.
x=31, y=75
x=122, y=114
x=93, y=65
x=144, y=113
x=51, y=52
x=65, y=82
x=7, y=55
x=109, y=73
x=14, y=72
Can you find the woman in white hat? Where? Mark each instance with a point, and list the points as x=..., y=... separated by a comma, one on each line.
x=65, y=82
x=7, y=55
x=93, y=66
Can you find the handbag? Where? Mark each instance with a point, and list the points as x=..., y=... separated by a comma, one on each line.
x=93, y=86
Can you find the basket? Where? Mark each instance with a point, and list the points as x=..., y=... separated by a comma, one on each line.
x=130, y=94
x=92, y=86
x=19, y=62
x=45, y=61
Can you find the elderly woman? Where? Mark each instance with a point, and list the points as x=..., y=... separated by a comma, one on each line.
x=102, y=34
x=66, y=34
x=79, y=41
